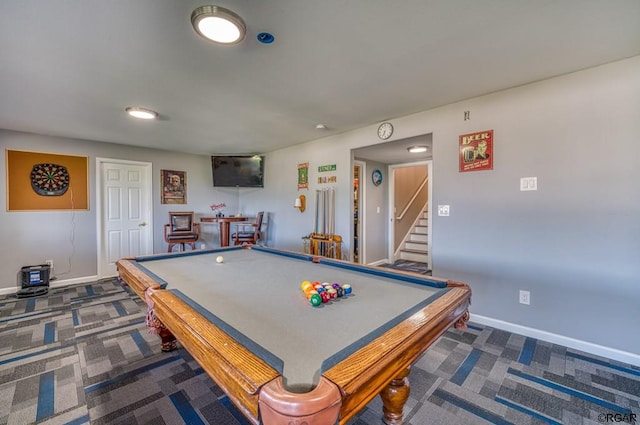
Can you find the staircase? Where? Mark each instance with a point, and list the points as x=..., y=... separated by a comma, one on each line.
x=415, y=246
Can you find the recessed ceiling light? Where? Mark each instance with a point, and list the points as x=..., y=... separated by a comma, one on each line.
x=142, y=113
x=321, y=127
x=417, y=149
x=218, y=24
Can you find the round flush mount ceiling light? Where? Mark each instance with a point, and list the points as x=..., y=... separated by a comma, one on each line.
x=141, y=113
x=417, y=149
x=218, y=24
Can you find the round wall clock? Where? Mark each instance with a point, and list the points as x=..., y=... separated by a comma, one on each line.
x=49, y=179
x=385, y=130
x=376, y=177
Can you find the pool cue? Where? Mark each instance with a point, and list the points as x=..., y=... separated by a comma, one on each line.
x=333, y=212
x=315, y=218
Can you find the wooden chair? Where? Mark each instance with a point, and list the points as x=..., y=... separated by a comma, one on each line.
x=247, y=232
x=182, y=229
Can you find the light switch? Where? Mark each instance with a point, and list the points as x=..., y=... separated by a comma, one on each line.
x=528, y=183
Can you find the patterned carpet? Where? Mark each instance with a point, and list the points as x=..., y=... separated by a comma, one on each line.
x=82, y=355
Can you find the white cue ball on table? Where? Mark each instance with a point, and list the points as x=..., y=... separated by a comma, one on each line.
x=219, y=259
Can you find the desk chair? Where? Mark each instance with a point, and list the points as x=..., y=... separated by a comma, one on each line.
x=247, y=232
x=181, y=230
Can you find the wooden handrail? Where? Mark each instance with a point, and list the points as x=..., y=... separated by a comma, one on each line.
x=413, y=198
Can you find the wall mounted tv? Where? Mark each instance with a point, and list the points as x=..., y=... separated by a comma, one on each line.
x=238, y=171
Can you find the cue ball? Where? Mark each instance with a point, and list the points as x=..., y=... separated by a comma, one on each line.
x=219, y=259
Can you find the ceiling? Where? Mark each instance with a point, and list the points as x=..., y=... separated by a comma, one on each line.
x=69, y=68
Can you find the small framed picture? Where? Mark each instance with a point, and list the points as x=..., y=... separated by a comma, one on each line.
x=174, y=187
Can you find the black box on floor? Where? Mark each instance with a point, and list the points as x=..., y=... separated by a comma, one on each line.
x=34, y=280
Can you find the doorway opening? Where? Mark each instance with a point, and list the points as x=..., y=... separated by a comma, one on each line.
x=409, y=207
x=358, y=216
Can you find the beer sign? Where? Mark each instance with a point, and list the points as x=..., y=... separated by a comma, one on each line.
x=476, y=151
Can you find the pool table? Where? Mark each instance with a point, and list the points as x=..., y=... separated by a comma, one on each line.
x=247, y=322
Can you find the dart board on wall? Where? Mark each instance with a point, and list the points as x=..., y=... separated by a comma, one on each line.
x=49, y=179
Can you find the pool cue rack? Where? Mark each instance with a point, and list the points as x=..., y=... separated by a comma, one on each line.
x=325, y=245
x=323, y=241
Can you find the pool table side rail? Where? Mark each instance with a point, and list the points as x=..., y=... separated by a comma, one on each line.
x=365, y=373
x=236, y=370
x=137, y=279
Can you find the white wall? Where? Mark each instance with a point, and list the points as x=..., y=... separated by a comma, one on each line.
x=574, y=244
x=69, y=238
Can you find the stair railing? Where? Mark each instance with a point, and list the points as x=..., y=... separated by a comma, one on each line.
x=413, y=198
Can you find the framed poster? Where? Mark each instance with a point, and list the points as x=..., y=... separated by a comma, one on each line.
x=303, y=175
x=476, y=151
x=46, y=181
x=174, y=187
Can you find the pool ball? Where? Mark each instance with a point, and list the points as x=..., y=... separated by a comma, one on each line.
x=315, y=300
x=305, y=284
x=335, y=285
x=219, y=259
x=332, y=293
x=340, y=292
x=325, y=297
x=346, y=288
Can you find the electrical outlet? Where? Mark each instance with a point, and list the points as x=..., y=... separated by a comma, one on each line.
x=525, y=297
x=443, y=210
x=50, y=263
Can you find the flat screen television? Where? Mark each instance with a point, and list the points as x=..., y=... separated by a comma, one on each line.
x=238, y=171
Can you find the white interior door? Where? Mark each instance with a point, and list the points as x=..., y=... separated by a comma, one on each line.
x=125, y=228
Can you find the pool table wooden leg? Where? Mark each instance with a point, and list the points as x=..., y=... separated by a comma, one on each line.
x=168, y=341
x=394, y=396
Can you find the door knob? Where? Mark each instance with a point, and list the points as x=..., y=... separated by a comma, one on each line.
x=144, y=223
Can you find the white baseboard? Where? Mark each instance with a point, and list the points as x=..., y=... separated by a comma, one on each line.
x=55, y=284
x=66, y=282
x=576, y=344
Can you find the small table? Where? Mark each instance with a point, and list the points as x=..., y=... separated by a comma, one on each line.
x=225, y=225
x=280, y=360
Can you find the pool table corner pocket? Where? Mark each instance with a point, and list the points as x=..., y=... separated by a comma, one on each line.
x=319, y=406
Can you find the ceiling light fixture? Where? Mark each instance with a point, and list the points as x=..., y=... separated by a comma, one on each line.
x=218, y=24
x=321, y=127
x=142, y=113
x=417, y=149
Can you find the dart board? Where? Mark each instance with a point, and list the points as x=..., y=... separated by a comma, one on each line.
x=49, y=179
